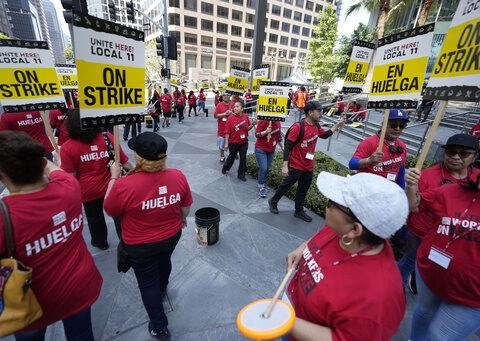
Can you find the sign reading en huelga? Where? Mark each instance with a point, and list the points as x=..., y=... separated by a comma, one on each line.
x=260, y=73
x=456, y=75
x=111, y=71
x=358, y=66
x=67, y=76
x=272, y=101
x=173, y=79
x=237, y=81
x=28, y=81
x=399, y=70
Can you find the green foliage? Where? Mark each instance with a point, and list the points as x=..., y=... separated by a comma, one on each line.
x=411, y=162
x=153, y=63
x=68, y=53
x=321, y=56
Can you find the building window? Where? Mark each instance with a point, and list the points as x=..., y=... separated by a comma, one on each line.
x=285, y=27
x=299, y=3
x=302, y=56
x=287, y=13
x=283, y=71
x=191, y=5
x=190, y=38
x=206, y=62
x=225, y=0
x=222, y=43
x=275, y=24
x=283, y=40
x=304, y=44
x=318, y=8
x=250, y=18
x=222, y=12
x=173, y=19
x=295, y=29
x=293, y=54
x=290, y=2
x=207, y=8
x=315, y=21
x=305, y=32
x=248, y=33
x=235, y=46
x=282, y=53
x=268, y=7
x=175, y=34
x=247, y=47
x=190, y=21
x=240, y=63
x=294, y=42
x=222, y=28
x=297, y=16
x=237, y=15
x=236, y=31
x=273, y=38
x=174, y=3
x=313, y=34
x=190, y=61
x=276, y=9
x=221, y=64
x=206, y=41
x=251, y=3
x=309, y=5
x=307, y=19
x=271, y=51
x=207, y=25
x=237, y=2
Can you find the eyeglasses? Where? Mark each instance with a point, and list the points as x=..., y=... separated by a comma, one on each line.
x=395, y=150
x=345, y=210
x=395, y=125
x=462, y=153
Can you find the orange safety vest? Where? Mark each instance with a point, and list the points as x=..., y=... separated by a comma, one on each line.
x=301, y=100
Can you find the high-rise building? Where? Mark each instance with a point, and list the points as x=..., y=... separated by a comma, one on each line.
x=99, y=9
x=5, y=27
x=24, y=20
x=54, y=31
x=213, y=35
x=38, y=4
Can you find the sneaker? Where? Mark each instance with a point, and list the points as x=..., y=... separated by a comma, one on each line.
x=266, y=187
x=163, y=125
x=222, y=158
x=158, y=334
x=242, y=178
x=412, y=284
x=272, y=206
x=224, y=171
x=102, y=247
x=263, y=193
x=302, y=215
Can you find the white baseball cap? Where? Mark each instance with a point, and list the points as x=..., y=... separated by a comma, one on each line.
x=380, y=205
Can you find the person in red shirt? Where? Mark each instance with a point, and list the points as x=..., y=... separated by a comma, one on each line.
x=192, y=103
x=57, y=121
x=358, y=115
x=176, y=93
x=298, y=157
x=390, y=162
x=217, y=98
x=86, y=156
x=475, y=131
x=153, y=202
x=268, y=134
x=236, y=138
x=236, y=98
x=201, y=100
x=339, y=105
x=155, y=101
x=347, y=285
x=448, y=258
x=166, y=102
x=301, y=99
x=30, y=122
x=46, y=217
x=180, y=106
x=222, y=111
x=248, y=95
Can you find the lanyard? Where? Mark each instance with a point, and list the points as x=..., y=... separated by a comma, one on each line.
x=458, y=236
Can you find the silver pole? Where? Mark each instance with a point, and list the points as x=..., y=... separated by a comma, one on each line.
x=365, y=124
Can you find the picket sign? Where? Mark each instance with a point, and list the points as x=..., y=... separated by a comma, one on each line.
x=384, y=130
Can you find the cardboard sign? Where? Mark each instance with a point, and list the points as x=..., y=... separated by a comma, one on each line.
x=400, y=66
x=272, y=101
x=456, y=75
x=28, y=81
x=205, y=84
x=173, y=79
x=358, y=66
x=237, y=81
x=67, y=76
x=111, y=71
x=260, y=73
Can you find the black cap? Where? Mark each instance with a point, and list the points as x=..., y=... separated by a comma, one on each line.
x=463, y=140
x=312, y=105
x=149, y=146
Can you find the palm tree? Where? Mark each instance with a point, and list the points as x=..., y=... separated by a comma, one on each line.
x=371, y=6
x=422, y=18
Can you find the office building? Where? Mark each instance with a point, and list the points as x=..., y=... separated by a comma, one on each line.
x=5, y=26
x=54, y=31
x=24, y=20
x=99, y=9
x=38, y=4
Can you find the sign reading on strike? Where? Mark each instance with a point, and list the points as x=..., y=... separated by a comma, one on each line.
x=272, y=101
x=456, y=75
x=358, y=66
x=237, y=81
x=67, y=76
x=205, y=84
x=28, y=81
x=260, y=73
x=111, y=71
x=400, y=66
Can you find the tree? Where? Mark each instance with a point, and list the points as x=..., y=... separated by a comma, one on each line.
x=422, y=18
x=68, y=53
x=321, y=47
x=153, y=63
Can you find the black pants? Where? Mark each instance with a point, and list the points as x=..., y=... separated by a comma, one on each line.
x=180, y=109
x=304, y=179
x=96, y=222
x=194, y=107
x=242, y=150
x=134, y=126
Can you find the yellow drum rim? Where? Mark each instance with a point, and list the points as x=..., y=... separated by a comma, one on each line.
x=266, y=335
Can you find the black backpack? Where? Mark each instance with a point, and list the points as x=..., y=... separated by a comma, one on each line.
x=302, y=131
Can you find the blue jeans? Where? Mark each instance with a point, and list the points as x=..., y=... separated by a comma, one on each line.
x=201, y=106
x=406, y=265
x=438, y=320
x=264, y=160
x=77, y=327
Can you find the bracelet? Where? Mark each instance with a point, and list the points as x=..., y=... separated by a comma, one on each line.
x=113, y=179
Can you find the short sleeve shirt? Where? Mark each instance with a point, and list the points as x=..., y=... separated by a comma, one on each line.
x=237, y=128
x=221, y=109
x=302, y=155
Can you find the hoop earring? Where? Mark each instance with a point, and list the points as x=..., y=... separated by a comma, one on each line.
x=344, y=242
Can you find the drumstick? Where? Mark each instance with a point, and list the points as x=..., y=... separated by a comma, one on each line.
x=268, y=312
x=384, y=130
x=269, y=135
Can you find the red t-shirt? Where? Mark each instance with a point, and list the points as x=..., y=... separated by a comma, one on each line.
x=192, y=100
x=220, y=109
x=362, y=114
x=176, y=94
x=352, y=108
x=47, y=227
x=166, y=101
x=237, y=128
x=201, y=97
x=441, y=212
x=341, y=105
x=57, y=119
x=217, y=100
x=30, y=122
x=90, y=163
x=359, y=299
x=390, y=164
x=181, y=100
x=262, y=142
x=247, y=96
x=432, y=177
x=302, y=155
x=149, y=205
x=475, y=131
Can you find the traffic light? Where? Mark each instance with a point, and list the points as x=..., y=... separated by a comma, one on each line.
x=160, y=46
x=172, y=48
x=67, y=13
x=130, y=11
x=112, y=11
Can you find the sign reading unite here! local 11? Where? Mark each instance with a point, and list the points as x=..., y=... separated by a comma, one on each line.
x=111, y=71
x=28, y=81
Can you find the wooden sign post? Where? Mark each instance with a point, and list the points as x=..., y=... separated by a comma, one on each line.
x=384, y=130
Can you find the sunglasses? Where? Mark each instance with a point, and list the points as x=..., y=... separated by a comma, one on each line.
x=395, y=150
x=395, y=125
x=345, y=210
x=462, y=153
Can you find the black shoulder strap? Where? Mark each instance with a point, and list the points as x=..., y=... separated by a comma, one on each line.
x=7, y=228
x=111, y=151
x=302, y=132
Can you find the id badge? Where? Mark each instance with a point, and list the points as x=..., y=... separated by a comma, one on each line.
x=224, y=119
x=242, y=136
x=274, y=143
x=391, y=176
x=440, y=257
x=309, y=156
